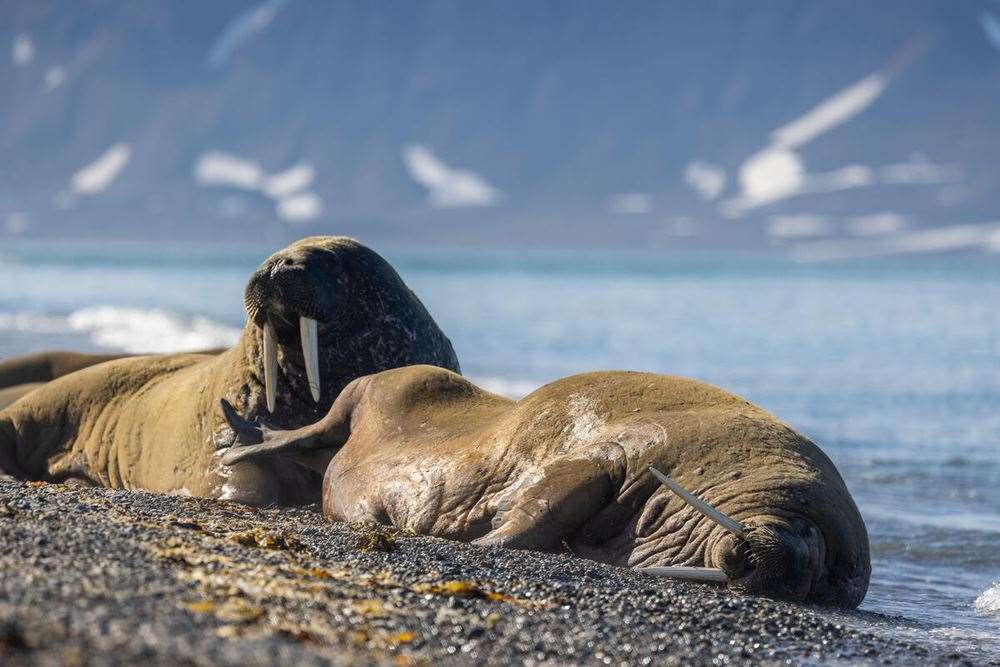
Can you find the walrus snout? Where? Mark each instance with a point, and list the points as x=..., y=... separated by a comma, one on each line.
x=779, y=557
x=283, y=291
x=286, y=300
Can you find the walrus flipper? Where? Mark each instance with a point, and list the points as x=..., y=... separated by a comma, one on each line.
x=549, y=511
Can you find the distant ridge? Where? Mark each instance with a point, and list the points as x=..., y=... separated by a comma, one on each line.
x=726, y=124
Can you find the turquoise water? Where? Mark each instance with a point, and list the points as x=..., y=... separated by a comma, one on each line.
x=892, y=366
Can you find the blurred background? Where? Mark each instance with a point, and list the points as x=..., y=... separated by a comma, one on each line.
x=797, y=201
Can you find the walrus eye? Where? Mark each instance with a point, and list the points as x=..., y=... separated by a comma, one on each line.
x=730, y=524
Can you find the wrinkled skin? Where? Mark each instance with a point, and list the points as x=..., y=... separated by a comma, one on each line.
x=152, y=422
x=566, y=467
x=19, y=376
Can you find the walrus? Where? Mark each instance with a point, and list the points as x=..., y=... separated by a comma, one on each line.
x=320, y=313
x=569, y=467
x=23, y=374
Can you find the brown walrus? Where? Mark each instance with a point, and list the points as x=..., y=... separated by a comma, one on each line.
x=568, y=466
x=19, y=376
x=321, y=313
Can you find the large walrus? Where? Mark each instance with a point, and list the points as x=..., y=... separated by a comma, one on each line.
x=568, y=466
x=322, y=312
x=19, y=376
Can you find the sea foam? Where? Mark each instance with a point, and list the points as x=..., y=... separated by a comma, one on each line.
x=988, y=603
x=150, y=330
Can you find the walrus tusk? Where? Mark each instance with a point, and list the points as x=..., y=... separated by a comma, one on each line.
x=709, y=575
x=310, y=351
x=270, y=365
x=730, y=524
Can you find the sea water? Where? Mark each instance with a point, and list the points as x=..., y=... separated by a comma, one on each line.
x=892, y=366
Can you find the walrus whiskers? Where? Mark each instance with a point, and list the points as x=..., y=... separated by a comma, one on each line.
x=270, y=366
x=730, y=524
x=310, y=352
x=708, y=575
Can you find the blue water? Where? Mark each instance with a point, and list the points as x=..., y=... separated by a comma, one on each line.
x=892, y=366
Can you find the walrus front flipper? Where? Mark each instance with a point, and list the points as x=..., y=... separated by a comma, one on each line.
x=311, y=446
x=547, y=512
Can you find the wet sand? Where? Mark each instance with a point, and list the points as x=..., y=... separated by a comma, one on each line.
x=93, y=576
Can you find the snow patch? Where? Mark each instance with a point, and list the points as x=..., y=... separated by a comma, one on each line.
x=831, y=112
x=918, y=169
x=630, y=203
x=242, y=29
x=55, y=76
x=448, y=187
x=778, y=172
x=708, y=180
x=102, y=172
x=290, y=181
x=982, y=236
x=220, y=169
x=227, y=170
x=23, y=50
x=301, y=207
x=991, y=26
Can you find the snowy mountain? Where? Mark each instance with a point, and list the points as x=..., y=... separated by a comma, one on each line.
x=826, y=128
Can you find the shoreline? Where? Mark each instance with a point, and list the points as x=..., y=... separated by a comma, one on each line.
x=95, y=576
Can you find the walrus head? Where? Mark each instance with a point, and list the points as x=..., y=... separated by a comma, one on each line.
x=781, y=554
x=323, y=312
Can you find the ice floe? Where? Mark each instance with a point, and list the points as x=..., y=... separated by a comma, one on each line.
x=447, y=187
x=102, y=172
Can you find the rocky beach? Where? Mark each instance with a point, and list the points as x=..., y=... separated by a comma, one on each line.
x=96, y=576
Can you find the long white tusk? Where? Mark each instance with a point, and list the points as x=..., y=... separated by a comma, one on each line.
x=709, y=575
x=310, y=351
x=270, y=365
x=730, y=524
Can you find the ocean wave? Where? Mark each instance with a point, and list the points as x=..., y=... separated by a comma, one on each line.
x=150, y=330
x=988, y=603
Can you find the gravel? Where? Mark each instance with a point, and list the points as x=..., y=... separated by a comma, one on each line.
x=95, y=576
